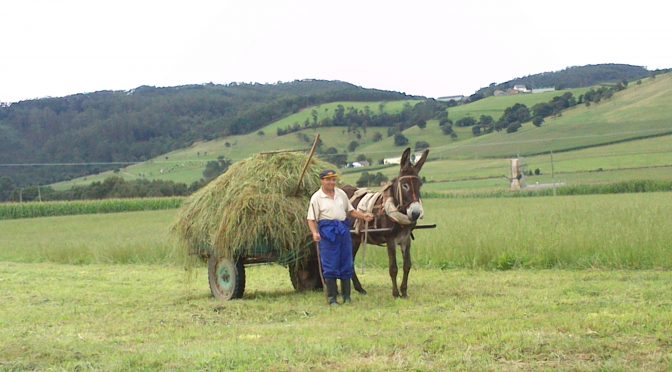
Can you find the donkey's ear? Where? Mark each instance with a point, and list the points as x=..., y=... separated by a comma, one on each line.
x=421, y=162
x=406, y=158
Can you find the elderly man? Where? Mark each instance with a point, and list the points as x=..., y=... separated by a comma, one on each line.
x=327, y=213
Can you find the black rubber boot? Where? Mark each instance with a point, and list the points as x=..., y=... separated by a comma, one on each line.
x=332, y=291
x=345, y=290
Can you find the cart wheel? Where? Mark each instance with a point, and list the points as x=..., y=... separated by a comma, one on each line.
x=305, y=276
x=226, y=278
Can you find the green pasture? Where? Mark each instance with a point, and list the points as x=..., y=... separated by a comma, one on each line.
x=639, y=111
x=187, y=165
x=149, y=317
x=326, y=110
x=630, y=231
x=501, y=283
x=501, y=184
x=495, y=106
x=649, y=158
x=605, y=135
x=116, y=238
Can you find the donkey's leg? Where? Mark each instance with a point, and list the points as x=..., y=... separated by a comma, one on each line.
x=355, y=279
x=406, y=253
x=392, y=257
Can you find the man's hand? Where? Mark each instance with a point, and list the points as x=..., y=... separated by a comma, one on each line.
x=316, y=237
x=368, y=217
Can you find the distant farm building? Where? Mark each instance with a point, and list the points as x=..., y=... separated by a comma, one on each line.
x=358, y=164
x=457, y=98
x=542, y=90
x=398, y=159
x=521, y=88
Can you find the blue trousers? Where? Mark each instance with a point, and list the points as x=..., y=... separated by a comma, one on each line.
x=336, y=249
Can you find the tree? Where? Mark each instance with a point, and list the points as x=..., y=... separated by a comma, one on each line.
x=476, y=130
x=339, y=160
x=465, y=122
x=353, y=146
x=331, y=151
x=537, y=121
x=513, y=116
x=421, y=145
x=422, y=124
x=400, y=140
x=513, y=127
x=366, y=179
x=446, y=126
x=377, y=137
x=6, y=188
x=215, y=168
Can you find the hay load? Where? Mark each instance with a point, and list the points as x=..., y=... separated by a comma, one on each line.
x=252, y=209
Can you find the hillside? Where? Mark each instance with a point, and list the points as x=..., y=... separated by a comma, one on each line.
x=641, y=110
x=572, y=77
x=137, y=125
x=638, y=111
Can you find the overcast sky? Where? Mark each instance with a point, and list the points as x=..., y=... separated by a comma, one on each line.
x=429, y=48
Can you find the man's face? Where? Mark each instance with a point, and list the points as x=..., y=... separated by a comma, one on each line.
x=329, y=183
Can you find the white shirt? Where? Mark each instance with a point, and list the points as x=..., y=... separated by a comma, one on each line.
x=328, y=208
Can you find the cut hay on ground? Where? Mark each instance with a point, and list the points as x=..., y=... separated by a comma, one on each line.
x=251, y=208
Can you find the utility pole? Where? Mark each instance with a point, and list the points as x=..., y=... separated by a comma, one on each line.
x=553, y=173
x=39, y=194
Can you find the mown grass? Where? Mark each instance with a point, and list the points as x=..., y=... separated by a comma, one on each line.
x=63, y=208
x=139, y=317
x=593, y=231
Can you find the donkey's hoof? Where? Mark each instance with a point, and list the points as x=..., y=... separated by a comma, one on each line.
x=361, y=291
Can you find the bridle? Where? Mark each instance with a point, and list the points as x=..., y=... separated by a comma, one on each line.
x=415, y=196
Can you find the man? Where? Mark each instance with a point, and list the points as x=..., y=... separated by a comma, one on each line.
x=329, y=207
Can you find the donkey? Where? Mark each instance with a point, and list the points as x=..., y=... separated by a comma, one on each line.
x=398, y=209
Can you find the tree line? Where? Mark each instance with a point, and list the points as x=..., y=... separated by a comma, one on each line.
x=137, y=125
x=571, y=77
x=514, y=116
x=111, y=187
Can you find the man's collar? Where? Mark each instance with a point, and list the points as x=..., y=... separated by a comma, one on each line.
x=322, y=194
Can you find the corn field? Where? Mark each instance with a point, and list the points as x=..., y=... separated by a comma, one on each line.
x=63, y=208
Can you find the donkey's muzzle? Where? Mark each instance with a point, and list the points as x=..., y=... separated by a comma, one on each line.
x=415, y=211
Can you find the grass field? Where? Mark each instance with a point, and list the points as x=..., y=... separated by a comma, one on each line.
x=596, y=231
x=639, y=111
x=649, y=158
x=109, y=292
x=140, y=317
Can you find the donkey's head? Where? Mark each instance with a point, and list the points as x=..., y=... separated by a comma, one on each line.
x=406, y=187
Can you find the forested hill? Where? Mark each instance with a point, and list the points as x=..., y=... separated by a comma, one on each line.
x=572, y=77
x=136, y=125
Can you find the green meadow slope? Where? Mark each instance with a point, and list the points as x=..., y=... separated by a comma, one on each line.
x=613, y=135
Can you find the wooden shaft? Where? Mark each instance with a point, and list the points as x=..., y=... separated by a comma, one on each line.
x=305, y=166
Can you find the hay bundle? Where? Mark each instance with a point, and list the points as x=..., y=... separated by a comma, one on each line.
x=251, y=207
